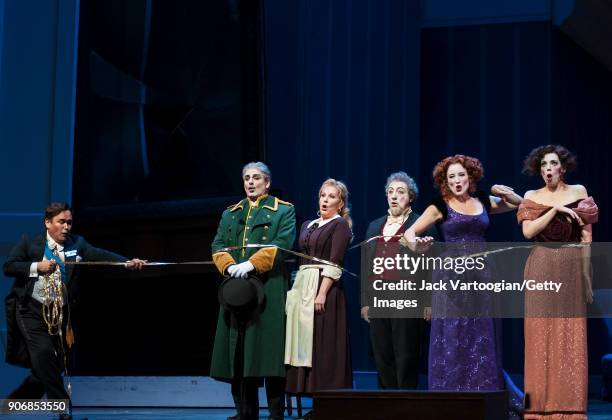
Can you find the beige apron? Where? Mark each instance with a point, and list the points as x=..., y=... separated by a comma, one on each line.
x=300, y=316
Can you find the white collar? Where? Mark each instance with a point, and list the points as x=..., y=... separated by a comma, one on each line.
x=401, y=219
x=322, y=222
x=54, y=245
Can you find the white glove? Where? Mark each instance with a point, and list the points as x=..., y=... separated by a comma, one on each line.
x=231, y=270
x=241, y=270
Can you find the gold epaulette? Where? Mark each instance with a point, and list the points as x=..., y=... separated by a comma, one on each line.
x=284, y=202
x=277, y=201
x=236, y=206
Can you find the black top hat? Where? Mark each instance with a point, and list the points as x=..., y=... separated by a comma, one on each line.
x=241, y=296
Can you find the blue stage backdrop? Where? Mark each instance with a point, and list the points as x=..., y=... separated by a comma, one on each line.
x=37, y=83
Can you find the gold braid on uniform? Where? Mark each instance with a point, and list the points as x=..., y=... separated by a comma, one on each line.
x=53, y=307
x=53, y=299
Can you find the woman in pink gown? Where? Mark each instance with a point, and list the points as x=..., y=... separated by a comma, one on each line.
x=556, y=362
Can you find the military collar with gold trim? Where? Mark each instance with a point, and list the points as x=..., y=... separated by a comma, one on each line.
x=246, y=203
x=266, y=202
x=260, y=199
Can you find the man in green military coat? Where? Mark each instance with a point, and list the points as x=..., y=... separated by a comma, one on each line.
x=257, y=219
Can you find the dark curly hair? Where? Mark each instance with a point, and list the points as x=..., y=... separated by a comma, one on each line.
x=471, y=164
x=56, y=208
x=531, y=165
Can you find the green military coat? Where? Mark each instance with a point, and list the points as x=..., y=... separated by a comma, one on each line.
x=270, y=221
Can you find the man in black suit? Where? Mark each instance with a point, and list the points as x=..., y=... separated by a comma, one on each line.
x=396, y=342
x=35, y=263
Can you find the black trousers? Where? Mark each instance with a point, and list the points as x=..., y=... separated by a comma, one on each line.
x=396, y=344
x=46, y=356
x=246, y=396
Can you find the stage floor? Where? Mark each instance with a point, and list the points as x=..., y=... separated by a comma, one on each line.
x=598, y=410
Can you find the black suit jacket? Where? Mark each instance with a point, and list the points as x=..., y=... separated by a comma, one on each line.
x=368, y=251
x=17, y=265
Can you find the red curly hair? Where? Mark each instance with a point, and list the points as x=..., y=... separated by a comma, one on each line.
x=471, y=164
